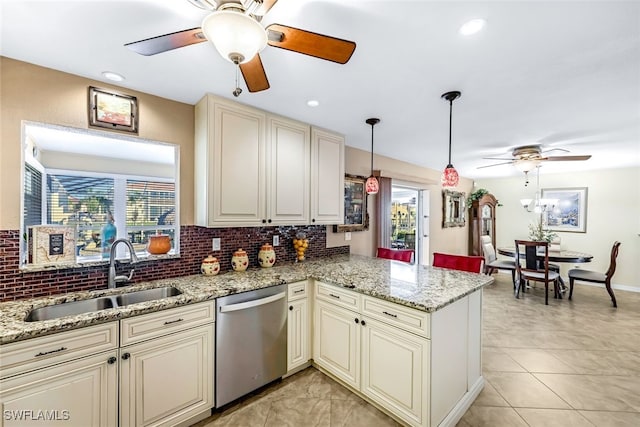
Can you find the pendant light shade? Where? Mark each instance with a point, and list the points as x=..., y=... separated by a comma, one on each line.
x=372, y=186
x=450, y=176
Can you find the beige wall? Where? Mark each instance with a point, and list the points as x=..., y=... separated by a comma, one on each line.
x=30, y=92
x=613, y=206
x=449, y=240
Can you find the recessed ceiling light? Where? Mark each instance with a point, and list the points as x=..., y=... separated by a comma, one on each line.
x=313, y=103
x=472, y=27
x=113, y=76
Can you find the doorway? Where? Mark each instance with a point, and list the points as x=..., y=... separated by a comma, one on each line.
x=410, y=221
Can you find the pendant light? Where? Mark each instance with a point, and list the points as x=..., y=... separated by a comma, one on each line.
x=372, y=186
x=450, y=176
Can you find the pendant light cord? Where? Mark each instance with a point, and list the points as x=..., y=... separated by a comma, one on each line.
x=372, y=125
x=450, y=120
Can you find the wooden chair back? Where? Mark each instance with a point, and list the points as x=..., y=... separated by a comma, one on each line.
x=530, y=257
x=404, y=255
x=472, y=264
x=612, y=263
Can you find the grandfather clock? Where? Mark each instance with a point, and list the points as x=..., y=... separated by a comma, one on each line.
x=482, y=222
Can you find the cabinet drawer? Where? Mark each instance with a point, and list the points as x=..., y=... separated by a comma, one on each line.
x=338, y=296
x=405, y=318
x=147, y=326
x=24, y=356
x=297, y=290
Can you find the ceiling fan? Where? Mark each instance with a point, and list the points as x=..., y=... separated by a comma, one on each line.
x=234, y=28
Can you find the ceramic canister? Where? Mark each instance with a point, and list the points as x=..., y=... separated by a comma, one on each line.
x=240, y=260
x=266, y=256
x=210, y=266
x=159, y=244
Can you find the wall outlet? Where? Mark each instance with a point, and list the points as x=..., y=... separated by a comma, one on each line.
x=216, y=244
x=347, y=235
x=276, y=240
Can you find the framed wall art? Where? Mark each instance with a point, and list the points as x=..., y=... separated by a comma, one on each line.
x=356, y=217
x=453, y=209
x=113, y=110
x=569, y=213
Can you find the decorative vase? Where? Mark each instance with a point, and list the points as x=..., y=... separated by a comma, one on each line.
x=159, y=244
x=266, y=256
x=300, y=244
x=210, y=266
x=240, y=260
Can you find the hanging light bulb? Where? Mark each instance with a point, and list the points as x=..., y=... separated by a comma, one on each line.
x=372, y=186
x=450, y=176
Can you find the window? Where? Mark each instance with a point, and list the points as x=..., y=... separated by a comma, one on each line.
x=80, y=178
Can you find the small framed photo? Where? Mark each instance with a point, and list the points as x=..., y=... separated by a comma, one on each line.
x=52, y=244
x=113, y=110
x=569, y=212
x=356, y=217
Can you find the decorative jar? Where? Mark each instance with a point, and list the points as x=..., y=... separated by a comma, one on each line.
x=159, y=244
x=266, y=256
x=210, y=266
x=240, y=260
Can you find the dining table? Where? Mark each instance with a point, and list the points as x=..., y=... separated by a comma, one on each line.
x=554, y=256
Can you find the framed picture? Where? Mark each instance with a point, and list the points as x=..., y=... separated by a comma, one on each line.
x=453, y=209
x=569, y=211
x=113, y=110
x=52, y=244
x=356, y=217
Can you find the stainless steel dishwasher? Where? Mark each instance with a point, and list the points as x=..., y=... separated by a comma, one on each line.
x=251, y=341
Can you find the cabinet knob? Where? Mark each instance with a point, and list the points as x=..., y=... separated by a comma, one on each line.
x=112, y=360
x=269, y=221
x=264, y=221
x=126, y=356
x=290, y=308
x=363, y=323
x=313, y=220
x=356, y=320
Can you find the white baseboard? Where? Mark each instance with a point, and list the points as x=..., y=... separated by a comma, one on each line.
x=463, y=405
x=613, y=285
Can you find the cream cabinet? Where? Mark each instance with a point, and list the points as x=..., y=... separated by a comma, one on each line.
x=298, y=327
x=327, y=177
x=70, y=377
x=166, y=371
x=255, y=168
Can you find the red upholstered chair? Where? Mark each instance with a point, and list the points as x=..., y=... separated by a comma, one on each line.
x=405, y=255
x=474, y=264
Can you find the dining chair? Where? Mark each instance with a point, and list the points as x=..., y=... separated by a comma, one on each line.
x=596, y=277
x=405, y=255
x=528, y=267
x=473, y=264
x=492, y=263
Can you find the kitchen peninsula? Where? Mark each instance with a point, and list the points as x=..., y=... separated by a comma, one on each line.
x=407, y=338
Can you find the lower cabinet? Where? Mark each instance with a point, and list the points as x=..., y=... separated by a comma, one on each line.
x=167, y=380
x=298, y=334
x=78, y=393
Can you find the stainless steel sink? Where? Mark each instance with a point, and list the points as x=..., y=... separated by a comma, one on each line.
x=95, y=304
x=69, y=309
x=146, y=295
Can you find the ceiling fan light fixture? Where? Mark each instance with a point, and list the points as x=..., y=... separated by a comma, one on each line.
x=372, y=186
x=526, y=165
x=450, y=176
x=236, y=36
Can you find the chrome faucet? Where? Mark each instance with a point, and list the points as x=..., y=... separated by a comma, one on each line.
x=113, y=279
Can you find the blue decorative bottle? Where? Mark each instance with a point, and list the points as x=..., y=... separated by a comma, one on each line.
x=108, y=236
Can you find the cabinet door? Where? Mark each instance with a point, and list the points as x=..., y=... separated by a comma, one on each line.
x=237, y=159
x=79, y=393
x=167, y=380
x=327, y=177
x=288, y=172
x=395, y=370
x=337, y=342
x=298, y=334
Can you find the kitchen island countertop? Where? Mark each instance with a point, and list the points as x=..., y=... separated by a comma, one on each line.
x=420, y=287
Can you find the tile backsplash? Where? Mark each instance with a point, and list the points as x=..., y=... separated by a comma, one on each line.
x=195, y=245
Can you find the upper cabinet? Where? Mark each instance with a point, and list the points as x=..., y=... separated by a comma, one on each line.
x=482, y=222
x=254, y=168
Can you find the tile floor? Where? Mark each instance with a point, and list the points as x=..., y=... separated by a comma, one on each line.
x=571, y=363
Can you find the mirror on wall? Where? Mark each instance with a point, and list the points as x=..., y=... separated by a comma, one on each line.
x=84, y=188
x=453, y=209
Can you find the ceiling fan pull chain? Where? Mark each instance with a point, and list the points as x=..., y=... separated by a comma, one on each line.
x=237, y=91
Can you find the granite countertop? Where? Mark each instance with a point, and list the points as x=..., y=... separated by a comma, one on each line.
x=423, y=288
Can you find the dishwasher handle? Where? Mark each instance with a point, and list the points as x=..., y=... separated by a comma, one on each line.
x=251, y=304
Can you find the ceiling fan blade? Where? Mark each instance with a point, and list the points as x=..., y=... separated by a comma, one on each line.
x=555, y=149
x=254, y=75
x=565, y=158
x=312, y=44
x=496, y=158
x=264, y=7
x=159, y=44
x=495, y=164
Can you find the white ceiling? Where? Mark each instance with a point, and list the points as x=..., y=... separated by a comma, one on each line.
x=561, y=74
